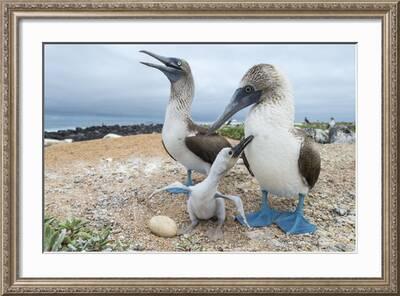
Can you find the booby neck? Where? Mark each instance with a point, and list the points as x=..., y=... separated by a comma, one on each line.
x=181, y=97
x=276, y=107
x=214, y=176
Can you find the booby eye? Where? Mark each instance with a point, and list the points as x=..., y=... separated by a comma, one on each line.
x=230, y=152
x=248, y=89
x=179, y=63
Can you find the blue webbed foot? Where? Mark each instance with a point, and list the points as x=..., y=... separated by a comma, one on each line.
x=260, y=218
x=295, y=223
x=264, y=217
x=177, y=190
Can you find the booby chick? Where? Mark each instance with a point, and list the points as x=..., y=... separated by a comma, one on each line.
x=284, y=160
x=185, y=141
x=205, y=202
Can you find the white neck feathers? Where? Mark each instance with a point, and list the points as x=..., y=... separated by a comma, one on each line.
x=215, y=174
x=276, y=107
x=181, y=97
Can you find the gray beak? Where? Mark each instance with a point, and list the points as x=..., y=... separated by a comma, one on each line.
x=238, y=149
x=171, y=69
x=239, y=101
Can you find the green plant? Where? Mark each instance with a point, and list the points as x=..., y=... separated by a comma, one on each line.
x=325, y=125
x=232, y=131
x=53, y=239
x=236, y=132
x=75, y=235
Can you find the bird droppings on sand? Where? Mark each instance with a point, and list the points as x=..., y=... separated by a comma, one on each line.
x=152, y=166
x=115, y=194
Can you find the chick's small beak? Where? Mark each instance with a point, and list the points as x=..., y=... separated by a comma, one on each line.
x=238, y=149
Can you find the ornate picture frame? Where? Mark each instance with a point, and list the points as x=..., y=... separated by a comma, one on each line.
x=13, y=11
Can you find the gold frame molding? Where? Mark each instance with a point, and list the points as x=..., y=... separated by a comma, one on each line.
x=13, y=11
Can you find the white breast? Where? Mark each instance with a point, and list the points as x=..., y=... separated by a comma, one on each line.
x=273, y=154
x=202, y=201
x=173, y=134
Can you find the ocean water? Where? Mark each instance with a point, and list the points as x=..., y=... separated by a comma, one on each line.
x=60, y=122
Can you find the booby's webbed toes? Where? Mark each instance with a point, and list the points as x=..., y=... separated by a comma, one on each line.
x=295, y=223
x=260, y=218
x=176, y=190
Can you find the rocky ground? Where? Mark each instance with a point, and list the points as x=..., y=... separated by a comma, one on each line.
x=108, y=182
x=98, y=132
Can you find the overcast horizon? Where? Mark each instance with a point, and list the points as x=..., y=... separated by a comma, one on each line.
x=91, y=84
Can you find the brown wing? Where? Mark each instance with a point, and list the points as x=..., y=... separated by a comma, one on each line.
x=167, y=150
x=197, y=129
x=309, y=162
x=206, y=147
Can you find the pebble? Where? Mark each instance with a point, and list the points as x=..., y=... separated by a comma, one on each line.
x=138, y=247
x=163, y=226
x=340, y=211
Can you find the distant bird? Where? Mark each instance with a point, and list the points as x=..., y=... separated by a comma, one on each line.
x=282, y=158
x=205, y=202
x=306, y=120
x=185, y=141
x=332, y=123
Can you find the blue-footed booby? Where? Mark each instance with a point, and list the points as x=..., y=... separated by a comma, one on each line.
x=185, y=141
x=205, y=201
x=284, y=160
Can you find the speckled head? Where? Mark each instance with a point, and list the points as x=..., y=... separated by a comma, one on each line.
x=263, y=77
x=258, y=81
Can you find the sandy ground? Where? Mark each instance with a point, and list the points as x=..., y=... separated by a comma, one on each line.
x=108, y=182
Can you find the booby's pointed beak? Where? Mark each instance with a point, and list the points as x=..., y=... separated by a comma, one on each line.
x=238, y=149
x=240, y=100
x=172, y=68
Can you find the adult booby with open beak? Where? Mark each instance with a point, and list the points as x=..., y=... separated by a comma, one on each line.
x=283, y=159
x=205, y=202
x=185, y=141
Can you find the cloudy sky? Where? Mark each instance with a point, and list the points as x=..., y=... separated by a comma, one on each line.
x=89, y=84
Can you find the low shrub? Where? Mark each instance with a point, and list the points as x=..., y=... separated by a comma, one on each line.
x=77, y=236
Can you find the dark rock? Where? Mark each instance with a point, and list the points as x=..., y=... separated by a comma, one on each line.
x=337, y=134
x=319, y=135
x=340, y=211
x=98, y=132
x=341, y=135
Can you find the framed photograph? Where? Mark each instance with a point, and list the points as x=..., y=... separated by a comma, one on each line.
x=204, y=147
